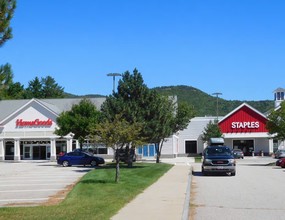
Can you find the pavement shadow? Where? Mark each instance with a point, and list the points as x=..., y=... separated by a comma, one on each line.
x=122, y=166
x=258, y=164
x=197, y=173
x=96, y=181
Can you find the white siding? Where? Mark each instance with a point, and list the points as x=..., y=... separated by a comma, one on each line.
x=193, y=133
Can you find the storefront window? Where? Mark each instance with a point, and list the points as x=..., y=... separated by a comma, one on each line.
x=95, y=148
x=247, y=146
x=9, y=150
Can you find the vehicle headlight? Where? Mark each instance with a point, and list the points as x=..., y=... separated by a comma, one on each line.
x=207, y=161
x=232, y=161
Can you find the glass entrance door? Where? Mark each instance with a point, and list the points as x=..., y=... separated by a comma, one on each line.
x=36, y=151
x=28, y=153
x=247, y=146
x=48, y=152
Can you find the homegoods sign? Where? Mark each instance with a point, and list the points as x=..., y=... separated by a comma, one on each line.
x=34, y=123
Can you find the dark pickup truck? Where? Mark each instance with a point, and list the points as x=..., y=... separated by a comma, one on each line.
x=218, y=159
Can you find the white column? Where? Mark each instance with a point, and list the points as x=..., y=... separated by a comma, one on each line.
x=52, y=150
x=270, y=146
x=2, y=150
x=68, y=145
x=77, y=144
x=175, y=145
x=17, y=155
x=205, y=145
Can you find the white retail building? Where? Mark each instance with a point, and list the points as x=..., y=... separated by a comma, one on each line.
x=27, y=131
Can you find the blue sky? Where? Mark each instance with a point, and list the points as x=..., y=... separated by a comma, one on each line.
x=236, y=47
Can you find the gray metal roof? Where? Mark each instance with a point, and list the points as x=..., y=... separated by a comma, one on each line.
x=8, y=107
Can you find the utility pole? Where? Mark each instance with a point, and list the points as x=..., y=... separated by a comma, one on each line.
x=217, y=95
x=114, y=76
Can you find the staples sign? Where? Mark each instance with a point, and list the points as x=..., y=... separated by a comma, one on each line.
x=245, y=124
x=34, y=123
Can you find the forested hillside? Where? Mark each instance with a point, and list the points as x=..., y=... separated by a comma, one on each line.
x=205, y=104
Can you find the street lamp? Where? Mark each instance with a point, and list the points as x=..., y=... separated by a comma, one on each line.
x=217, y=95
x=114, y=76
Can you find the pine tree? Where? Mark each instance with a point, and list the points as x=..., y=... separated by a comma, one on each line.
x=7, y=8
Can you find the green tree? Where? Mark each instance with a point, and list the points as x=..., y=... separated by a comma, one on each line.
x=16, y=91
x=44, y=88
x=6, y=80
x=161, y=121
x=166, y=119
x=276, y=123
x=78, y=120
x=183, y=116
x=34, y=89
x=7, y=8
x=130, y=102
x=212, y=130
x=51, y=89
x=9, y=89
x=116, y=134
x=137, y=103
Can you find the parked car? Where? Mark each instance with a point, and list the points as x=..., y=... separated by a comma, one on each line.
x=218, y=159
x=79, y=158
x=281, y=162
x=238, y=153
x=280, y=153
x=123, y=155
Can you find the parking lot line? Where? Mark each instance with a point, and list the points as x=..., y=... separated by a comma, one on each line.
x=31, y=184
x=29, y=190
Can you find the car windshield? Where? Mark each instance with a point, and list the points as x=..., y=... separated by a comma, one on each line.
x=219, y=151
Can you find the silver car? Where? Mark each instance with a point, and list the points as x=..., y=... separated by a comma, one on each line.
x=280, y=153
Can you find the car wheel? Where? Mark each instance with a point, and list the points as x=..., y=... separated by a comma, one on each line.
x=233, y=173
x=93, y=163
x=65, y=163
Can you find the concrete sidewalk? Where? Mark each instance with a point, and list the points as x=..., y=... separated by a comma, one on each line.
x=168, y=198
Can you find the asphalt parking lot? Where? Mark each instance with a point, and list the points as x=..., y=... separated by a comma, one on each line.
x=35, y=182
x=254, y=193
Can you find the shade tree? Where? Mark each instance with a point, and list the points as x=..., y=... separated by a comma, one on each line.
x=78, y=120
x=276, y=122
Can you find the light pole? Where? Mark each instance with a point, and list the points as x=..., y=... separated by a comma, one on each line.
x=217, y=95
x=114, y=76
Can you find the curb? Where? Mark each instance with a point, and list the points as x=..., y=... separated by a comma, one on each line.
x=185, y=214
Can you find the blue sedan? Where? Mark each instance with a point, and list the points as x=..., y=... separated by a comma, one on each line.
x=79, y=158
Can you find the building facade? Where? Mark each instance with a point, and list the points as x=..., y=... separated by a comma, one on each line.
x=27, y=131
x=27, y=128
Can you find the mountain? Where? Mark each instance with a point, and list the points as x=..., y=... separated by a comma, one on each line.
x=205, y=104
x=69, y=95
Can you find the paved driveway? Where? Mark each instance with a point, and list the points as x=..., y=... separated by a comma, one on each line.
x=35, y=182
x=256, y=192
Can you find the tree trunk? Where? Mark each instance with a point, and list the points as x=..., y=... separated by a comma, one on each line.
x=158, y=147
x=157, y=152
x=117, y=177
x=130, y=157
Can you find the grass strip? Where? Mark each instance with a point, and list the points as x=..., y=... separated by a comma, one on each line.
x=96, y=195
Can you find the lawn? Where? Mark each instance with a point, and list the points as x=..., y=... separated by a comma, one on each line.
x=96, y=195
